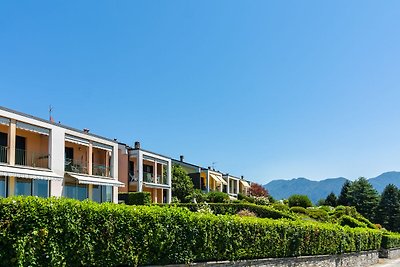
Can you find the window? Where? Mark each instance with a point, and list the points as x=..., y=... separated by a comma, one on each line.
x=102, y=193
x=75, y=190
x=3, y=186
x=31, y=187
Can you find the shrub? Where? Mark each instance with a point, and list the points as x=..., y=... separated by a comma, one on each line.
x=66, y=232
x=280, y=206
x=246, y=212
x=246, y=198
x=135, y=198
x=233, y=208
x=197, y=195
x=351, y=222
x=390, y=240
x=217, y=197
x=318, y=214
x=298, y=210
x=299, y=201
x=261, y=201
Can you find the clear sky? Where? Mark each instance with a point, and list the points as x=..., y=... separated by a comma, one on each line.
x=265, y=89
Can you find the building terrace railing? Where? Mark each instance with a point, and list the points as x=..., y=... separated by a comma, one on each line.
x=76, y=166
x=31, y=158
x=3, y=154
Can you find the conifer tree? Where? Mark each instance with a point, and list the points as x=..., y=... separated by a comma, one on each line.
x=343, y=198
x=363, y=197
x=388, y=210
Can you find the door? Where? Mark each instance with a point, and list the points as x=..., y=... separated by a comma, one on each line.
x=20, y=151
x=69, y=158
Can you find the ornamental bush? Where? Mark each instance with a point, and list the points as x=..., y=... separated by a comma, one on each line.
x=217, y=197
x=299, y=201
x=351, y=222
x=390, y=240
x=234, y=208
x=66, y=232
x=135, y=198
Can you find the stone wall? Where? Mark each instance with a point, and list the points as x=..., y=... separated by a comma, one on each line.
x=389, y=253
x=345, y=260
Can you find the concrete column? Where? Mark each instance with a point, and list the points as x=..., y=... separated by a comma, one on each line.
x=237, y=187
x=208, y=181
x=90, y=159
x=12, y=136
x=90, y=191
x=169, y=178
x=155, y=172
x=228, y=184
x=162, y=195
x=140, y=171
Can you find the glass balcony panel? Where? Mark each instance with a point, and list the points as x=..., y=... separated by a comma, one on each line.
x=3, y=154
x=31, y=158
x=76, y=166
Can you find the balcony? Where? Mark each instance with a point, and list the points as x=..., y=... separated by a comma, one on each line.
x=76, y=166
x=3, y=154
x=101, y=170
x=31, y=158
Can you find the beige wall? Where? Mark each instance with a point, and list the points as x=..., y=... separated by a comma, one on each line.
x=4, y=128
x=123, y=171
x=35, y=142
x=80, y=152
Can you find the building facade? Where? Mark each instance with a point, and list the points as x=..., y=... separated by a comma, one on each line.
x=42, y=158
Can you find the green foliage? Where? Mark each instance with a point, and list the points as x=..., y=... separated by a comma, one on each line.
x=135, y=198
x=318, y=214
x=197, y=196
x=182, y=185
x=331, y=200
x=351, y=222
x=388, y=210
x=261, y=201
x=246, y=198
x=363, y=197
x=280, y=206
x=234, y=208
x=343, y=198
x=66, y=232
x=217, y=197
x=390, y=240
x=340, y=211
x=299, y=201
x=298, y=210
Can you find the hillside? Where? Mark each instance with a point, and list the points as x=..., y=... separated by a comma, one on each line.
x=281, y=189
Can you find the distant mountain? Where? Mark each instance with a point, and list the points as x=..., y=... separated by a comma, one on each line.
x=281, y=189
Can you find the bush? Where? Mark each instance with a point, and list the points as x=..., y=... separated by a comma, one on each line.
x=390, y=240
x=318, y=214
x=66, y=232
x=233, y=208
x=351, y=222
x=246, y=198
x=198, y=195
x=217, y=197
x=299, y=201
x=135, y=198
x=261, y=201
x=298, y=210
x=281, y=207
x=246, y=212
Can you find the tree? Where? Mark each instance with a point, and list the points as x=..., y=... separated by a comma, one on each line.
x=331, y=200
x=343, y=198
x=299, y=201
x=257, y=190
x=388, y=210
x=363, y=197
x=182, y=185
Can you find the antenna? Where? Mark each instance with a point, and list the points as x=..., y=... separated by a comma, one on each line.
x=213, y=164
x=50, y=111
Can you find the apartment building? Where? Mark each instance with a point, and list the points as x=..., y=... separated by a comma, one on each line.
x=144, y=171
x=42, y=158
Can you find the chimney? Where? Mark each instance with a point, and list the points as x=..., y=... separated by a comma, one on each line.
x=182, y=158
x=242, y=177
x=86, y=130
x=209, y=167
x=137, y=145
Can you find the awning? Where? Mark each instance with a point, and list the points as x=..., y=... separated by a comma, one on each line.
x=218, y=179
x=102, y=146
x=76, y=140
x=244, y=183
x=83, y=179
x=28, y=173
x=32, y=128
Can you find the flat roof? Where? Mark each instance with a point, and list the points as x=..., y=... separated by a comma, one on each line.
x=186, y=163
x=55, y=124
x=148, y=151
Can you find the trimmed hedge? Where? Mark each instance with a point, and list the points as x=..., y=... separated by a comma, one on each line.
x=234, y=208
x=66, y=232
x=390, y=240
x=351, y=222
x=135, y=198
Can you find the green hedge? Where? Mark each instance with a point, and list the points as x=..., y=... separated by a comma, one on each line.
x=351, y=222
x=390, y=240
x=135, y=198
x=65, y=232
x=234, y=208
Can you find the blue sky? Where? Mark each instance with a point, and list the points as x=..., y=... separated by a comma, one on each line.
x=265, y=89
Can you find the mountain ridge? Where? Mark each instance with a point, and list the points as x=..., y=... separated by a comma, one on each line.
x=282, y=189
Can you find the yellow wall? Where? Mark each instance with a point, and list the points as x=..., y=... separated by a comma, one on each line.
x=35, y=142
x=80, y=155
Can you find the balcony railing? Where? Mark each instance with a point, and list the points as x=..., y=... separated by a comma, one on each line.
x=148, y=178
x=76, y=166
x=101, y=170
x=31, y=158
x=3, y=154
x=162, y=179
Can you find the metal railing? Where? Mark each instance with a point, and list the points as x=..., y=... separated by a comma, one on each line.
x=148, y=178
x=76, y=166
x=3, y=154
x=101, y=170
x=31, y=158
